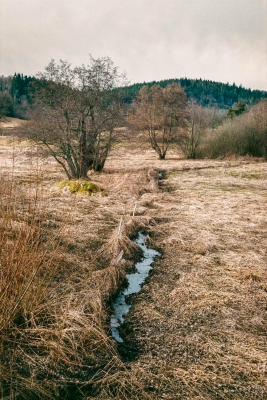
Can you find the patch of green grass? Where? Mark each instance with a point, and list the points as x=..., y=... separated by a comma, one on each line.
x=251, y=174
x=80, y=187
x=221, y=188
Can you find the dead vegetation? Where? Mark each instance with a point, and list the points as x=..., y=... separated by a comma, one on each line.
x=200, y=321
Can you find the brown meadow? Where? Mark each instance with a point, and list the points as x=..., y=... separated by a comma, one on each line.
x=199, y=323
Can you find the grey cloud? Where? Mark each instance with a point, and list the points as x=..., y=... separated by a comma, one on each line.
x=212, y=39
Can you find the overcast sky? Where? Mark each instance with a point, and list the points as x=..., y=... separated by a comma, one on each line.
x=221, y=40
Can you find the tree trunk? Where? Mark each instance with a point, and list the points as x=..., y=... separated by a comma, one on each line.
x=82, y=152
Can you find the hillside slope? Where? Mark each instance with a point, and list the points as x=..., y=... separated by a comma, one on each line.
x=205, y=92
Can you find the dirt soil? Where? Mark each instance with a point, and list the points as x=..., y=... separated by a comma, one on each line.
x=200, y=321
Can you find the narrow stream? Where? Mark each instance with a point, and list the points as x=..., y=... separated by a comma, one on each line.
x=135, y=280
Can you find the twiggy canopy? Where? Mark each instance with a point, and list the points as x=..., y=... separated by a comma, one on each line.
x=161, y=113
x=74, y=113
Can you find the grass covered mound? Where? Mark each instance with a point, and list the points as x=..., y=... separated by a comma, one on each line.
x=80, y=187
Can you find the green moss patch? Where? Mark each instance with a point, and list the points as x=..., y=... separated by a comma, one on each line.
x=81, y=187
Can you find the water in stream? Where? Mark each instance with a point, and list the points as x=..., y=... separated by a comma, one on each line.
x=135, y=280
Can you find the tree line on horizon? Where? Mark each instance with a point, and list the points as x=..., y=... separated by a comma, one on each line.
x=17, y=92
x=204, y=92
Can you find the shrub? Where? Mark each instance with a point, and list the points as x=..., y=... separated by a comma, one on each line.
x=243, y=135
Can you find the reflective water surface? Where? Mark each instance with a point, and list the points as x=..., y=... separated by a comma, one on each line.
x=135, y=280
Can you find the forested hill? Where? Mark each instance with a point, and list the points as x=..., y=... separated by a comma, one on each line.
x=206, y=93
x=17, y=91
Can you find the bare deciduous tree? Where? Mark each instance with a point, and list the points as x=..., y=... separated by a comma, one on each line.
x=200, y=120
x=256, y=129
x=196, y=125
x=161, y=113
x=75, y=112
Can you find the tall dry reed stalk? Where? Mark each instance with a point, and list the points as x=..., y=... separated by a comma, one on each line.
x=27, y=269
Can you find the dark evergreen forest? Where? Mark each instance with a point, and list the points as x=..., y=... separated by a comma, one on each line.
x=20, y=90
x=205, y=92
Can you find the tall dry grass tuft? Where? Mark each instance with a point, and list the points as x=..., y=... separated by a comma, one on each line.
x=27, y=270
x=116, y=381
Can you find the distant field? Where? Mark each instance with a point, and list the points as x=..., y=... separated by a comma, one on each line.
x=11, y=122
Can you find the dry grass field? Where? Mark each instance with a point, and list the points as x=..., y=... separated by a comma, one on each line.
x=199, y=323
x=8, y=124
